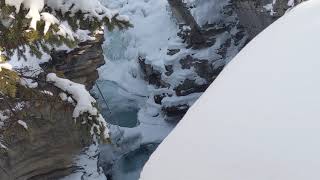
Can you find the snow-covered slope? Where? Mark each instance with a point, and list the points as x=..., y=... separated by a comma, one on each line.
x=260, y=119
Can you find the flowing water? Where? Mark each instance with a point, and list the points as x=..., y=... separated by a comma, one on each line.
x=124, y=100
x=119, y=93
x=119, y=99
x=117, y=109
x=130, y=165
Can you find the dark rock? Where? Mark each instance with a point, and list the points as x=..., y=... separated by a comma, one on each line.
x=190, y=86
x=203, y=68
x=169, y=69
x=172, y=52
x=238, y=37
x=81, y=64
x=176, y=112
x=255, y=18
x=158, y=97
x=151, y=75
x=183, y=16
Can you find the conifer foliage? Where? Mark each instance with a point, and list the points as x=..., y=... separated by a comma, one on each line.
x=40, y=26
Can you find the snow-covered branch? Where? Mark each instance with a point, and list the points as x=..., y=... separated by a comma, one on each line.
x=84, y=101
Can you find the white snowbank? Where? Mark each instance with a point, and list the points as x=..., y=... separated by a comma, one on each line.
x=260, y=118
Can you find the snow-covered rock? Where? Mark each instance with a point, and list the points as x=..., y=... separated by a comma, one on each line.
x=260, y=117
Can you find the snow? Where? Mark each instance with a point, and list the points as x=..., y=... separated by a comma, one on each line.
x=3, y=146
x=49, y=93
x=78, y=92
x=92, y=9
x=84, y=101
x=269, y=7
x=152, y=44
x=84, y=35
x=291, y=3
x=5, y=66
x=123, y=48
x=6, y=114
x=87, y=160
x=63, y=96
x=150, y=40
x=205, y=11
x=260, y=118
x=30, y=67
x=180, y=100
x=155, y=15
x=23, y=124
x=3, y=117
x=49, y=20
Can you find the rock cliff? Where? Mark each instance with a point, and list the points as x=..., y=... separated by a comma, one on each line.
x=80, y=65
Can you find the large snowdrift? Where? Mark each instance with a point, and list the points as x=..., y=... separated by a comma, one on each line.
x=260, y=120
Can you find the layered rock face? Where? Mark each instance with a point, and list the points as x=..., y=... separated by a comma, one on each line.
x=81, y=64
x=45, y=149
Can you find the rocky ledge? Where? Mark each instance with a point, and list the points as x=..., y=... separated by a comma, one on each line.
x=80, y=65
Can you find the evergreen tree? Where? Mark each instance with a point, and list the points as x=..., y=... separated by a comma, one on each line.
x=38, y=26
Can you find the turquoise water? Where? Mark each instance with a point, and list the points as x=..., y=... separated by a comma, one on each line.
x=116, y=108
x=120, y=106
x=130, y=165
